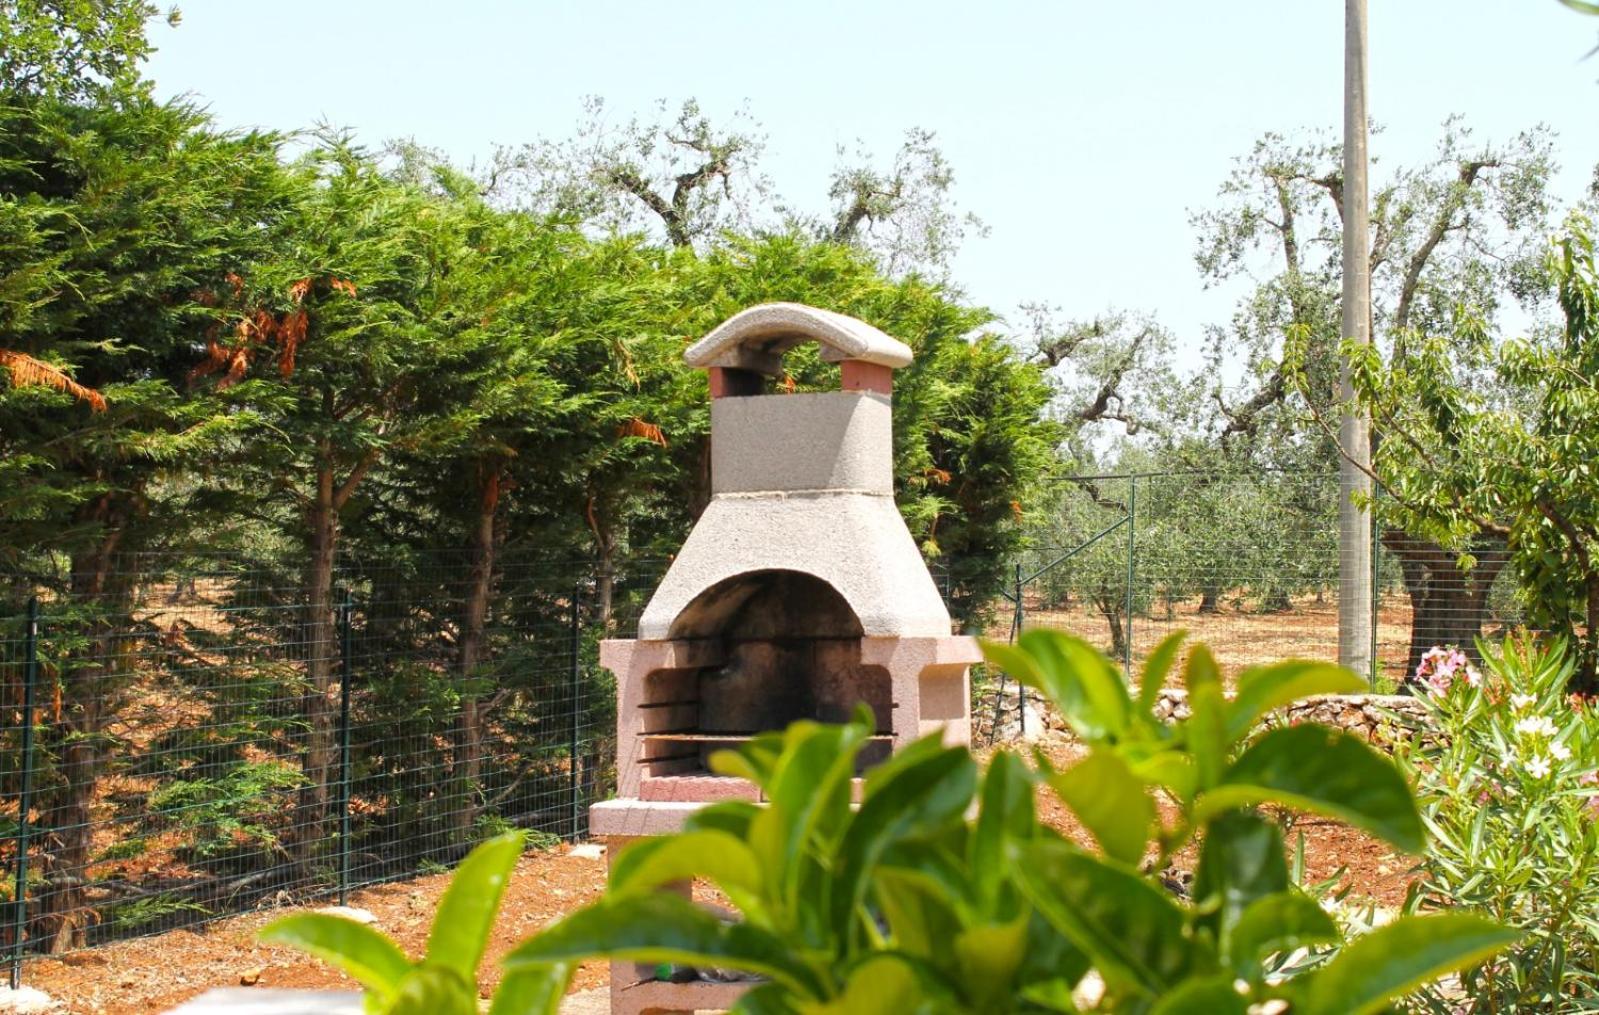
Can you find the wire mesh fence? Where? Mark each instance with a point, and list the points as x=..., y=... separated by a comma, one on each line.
x=183, y=739
x=190, y=739
x=1248, y=564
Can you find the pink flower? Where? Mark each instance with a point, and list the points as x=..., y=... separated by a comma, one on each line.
x=1439, y=665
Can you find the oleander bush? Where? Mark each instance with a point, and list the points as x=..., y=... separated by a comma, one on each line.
x=1507, y=790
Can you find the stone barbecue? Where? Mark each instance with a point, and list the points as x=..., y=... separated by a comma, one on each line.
x=798, y=595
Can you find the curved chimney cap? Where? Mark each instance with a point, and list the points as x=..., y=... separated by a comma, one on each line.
x=756, y=339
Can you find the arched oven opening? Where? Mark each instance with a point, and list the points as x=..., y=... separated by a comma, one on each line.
x=785, y=646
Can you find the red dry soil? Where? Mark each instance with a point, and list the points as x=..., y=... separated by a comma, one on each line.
x=156, y=973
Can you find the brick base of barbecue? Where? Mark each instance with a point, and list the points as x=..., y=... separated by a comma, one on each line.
x=690, y=788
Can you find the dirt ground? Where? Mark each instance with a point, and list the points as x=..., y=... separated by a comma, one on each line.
x=1364, y=867
x=156, y=973
x=1238, y=635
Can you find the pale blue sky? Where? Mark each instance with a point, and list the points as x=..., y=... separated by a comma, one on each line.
x=1084, y=134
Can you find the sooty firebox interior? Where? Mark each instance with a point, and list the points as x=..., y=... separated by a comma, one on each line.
x=787, y=646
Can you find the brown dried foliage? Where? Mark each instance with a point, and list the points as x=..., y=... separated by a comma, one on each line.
x=256, y=327
x=26, y=372
x=636, y=427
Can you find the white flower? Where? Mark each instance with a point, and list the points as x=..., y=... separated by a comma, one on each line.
x=1520, y=702
x=1537, y=726
x=1473, y=676
x=1538, y=768
x=1560, y=751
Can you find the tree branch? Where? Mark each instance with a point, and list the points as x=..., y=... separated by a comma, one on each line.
x=342, y=494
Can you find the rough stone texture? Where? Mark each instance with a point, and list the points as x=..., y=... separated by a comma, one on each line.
x=639, y=997
x=757, y=338
x=931, y=682
x=1369, y=715
x=857, y=375
x=856, y=543
x=268, y=1001
x=1381, y=719
x=632, y=817
x=927, y=680
x=696, y=788
x=825, y=440
x=587, y=1002
x=1001, y=716
x=27, y=1000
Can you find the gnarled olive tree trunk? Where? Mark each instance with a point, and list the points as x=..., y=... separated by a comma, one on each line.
x=1448, y=606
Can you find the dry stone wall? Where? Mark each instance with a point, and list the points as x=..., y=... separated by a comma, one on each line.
x=1381, y=719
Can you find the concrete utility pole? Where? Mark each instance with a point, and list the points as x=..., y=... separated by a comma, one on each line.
x=1354, y=431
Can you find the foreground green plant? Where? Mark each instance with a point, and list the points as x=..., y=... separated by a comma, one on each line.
x=905, y=904
x=444, y=982
x=1507, y=791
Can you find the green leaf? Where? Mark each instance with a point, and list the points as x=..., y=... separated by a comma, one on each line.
x=1398, y=957
x=533, y=990
x=1206, y=995
x=1085, y=686
x=1050, y=995
x=1156, y=669
x=465, y=916
x=1006, y=813
x=920, y=914
x=708, y=854
x=755, y=759
x=988, y=956
x=1171, y=769
x=663, y=927
x=433, y=990
x=1013, y=660
x=882, y=983
x=1323, y=771
x=1050, y=961
x=1206, y=727
x=1278, y=922
x=1241, y=860
x=1111, y=802
x=1132, y=930
x=372, y=959
x=730, y=816
x=1264, y=688
x=910, y=798
x=809, y=790
x=764, y=999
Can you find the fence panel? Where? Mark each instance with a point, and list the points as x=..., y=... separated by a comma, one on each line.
x=204, y=741
x=1248, y=564
x=208, y=743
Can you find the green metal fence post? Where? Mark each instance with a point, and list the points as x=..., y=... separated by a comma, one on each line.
x=574, y=691
x=346, y=674
x=1132, y=537
x=19, y=905
x=1016, y=633
x=1376, y=588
